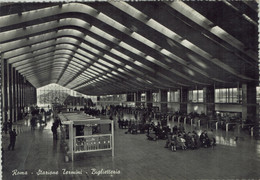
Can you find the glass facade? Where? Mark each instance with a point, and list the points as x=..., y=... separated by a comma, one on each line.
x=111, y=98
x=156, y=97
x=55, y=93
x=196, y=96
x=228, y=95
x=173, y=96
x=258, y=95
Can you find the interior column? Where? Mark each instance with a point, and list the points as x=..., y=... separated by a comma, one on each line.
x=163, y=100
x=149, y=99
x=183, y=100
x=4, y=93
x=208, y=99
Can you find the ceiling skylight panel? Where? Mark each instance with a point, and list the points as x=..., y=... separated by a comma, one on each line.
x=103, y=34
x=89, y=48
x=249, y=19
x=100, y=66
x=121, y=70
x=173, y=56
x=94, y=72
x=149, y=58
x=196, y=49
x=130, y=48
x=138, y=63
x=111, y=22
x=145, y=41
x=79, y=80
x=71, y=70
x=82, y=78
x=96, y=69
x=73, y=63
x=118, y=53
x=67, y=46
x=106, y=63
x=223, y=34
x=84, y=75
x=143, y=66
x=74, y=67
x=84, y=59
x=113, y=59
x=105, y=77
x=114, y=72
x=76, y=60
x=164, y=30
x=100, y=78
x=78, y=64
x=166, y=52
x=128, y=67
x=80, y=51
x=190, y=13
x=110, y=75
x=133, y=11
x=88, y=75
x=97, y=43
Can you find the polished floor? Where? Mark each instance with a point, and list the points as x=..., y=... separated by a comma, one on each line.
x=136, y=158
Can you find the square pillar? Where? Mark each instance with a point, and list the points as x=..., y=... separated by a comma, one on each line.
x=138, y=99
x=149, y=99
x=10, y=91
x=208, y=99
x=183, y=100
x=249, y=101
x=4, y=92
x=163, y=101
x=14, y=96
x=17, y=95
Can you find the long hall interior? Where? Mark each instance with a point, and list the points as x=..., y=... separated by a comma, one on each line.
x=130, y=90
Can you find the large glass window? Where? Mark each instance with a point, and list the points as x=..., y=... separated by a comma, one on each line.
x=173, y=96
x=258, y=95
x=200, y=95
x=54, y=93
x=143, y=97
x=228, y=95
x=196, y=96
x=155, y=97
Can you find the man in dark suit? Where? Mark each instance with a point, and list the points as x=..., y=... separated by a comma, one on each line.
x=13, y=135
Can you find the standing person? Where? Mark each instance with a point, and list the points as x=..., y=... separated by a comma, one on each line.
x=13, y=135
x=54, y=131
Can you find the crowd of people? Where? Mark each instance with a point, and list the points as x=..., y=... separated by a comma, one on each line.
x=191, y=140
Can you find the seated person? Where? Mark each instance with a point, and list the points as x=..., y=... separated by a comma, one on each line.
x=181, y=142
x=211, y=137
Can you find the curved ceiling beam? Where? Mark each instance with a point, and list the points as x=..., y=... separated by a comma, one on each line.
x=190, y=13
x=50, y=56
x=48, y=46
x=27, y=74
x=193, y=33
x=187, y=78
x=107, y=48
x=24, y=64
x=32, y=67
x=28, y=57
x=150, y=22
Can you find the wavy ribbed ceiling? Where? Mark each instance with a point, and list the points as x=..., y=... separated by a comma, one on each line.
x=101, y=48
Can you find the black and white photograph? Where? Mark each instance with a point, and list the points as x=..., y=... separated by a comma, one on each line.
x=130, y=90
